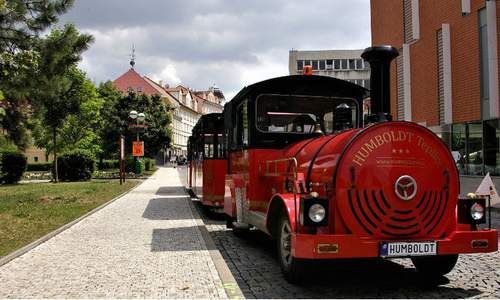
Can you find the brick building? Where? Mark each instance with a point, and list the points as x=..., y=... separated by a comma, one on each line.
x=446, y=77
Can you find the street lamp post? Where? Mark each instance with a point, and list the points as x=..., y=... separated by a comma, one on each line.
x=139, y=117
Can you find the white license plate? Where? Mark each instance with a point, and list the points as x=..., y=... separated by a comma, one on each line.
x=399, y=249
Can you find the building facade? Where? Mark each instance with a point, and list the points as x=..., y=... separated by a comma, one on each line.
x=342, y=64
x=446, y=76
x=188, y=105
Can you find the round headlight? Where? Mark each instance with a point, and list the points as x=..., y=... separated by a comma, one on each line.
x=477, y=211
x=317, y=213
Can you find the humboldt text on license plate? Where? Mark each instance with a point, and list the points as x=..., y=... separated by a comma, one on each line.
x=396, y=249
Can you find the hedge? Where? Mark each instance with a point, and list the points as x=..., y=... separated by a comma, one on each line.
x=76, y=165
x=40, y=166
x=13, y=165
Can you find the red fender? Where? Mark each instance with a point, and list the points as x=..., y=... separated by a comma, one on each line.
x=277, y=202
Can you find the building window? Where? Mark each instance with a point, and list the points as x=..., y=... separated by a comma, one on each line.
x=139, y=89
x=315, y=65
x=458, y=146
x=352, y=64
x=329, y=64
x=475, y=147
x=322, y=65
x=337, y=64
x=344, y=64
x=491, y=138
x=300, y=65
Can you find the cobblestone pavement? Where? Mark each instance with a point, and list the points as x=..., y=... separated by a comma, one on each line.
x=254, y=265
x=146, y=244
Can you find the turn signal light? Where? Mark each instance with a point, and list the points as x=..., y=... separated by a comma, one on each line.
x=479, y=244
x=328, y=248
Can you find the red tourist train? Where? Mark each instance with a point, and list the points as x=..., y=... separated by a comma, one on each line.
x=207, y=159
x=302, y=165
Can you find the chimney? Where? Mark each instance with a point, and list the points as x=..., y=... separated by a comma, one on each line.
x=380, y=58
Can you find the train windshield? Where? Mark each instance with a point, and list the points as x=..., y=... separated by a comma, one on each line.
x=305, y=114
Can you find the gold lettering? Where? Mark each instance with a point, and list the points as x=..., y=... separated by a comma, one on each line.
x=380, y=140
x=358, y=160
x=387, y=137
x=372, y=145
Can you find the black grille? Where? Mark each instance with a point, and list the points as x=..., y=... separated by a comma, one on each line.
x=376, y=216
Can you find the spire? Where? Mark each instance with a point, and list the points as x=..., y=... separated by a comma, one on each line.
x=132, y=60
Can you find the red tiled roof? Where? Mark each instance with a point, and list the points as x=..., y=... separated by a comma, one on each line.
x=132, y=79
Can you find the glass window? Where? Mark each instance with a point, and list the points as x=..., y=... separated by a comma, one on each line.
x=458, y=146
x=329, y=64
x=300, y=65
x=300, y=114
x=344, y=64
x=491, y=150
x=240, y=128
x=337, y=64
x=352, y=64
x=322, y=65
x=208, y=145
x=474, y=148
x=359, y=64
x=315, y=65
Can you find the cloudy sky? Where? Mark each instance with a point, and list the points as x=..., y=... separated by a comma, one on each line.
x=199, y=43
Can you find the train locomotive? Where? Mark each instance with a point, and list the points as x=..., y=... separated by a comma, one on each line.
x=305, y=166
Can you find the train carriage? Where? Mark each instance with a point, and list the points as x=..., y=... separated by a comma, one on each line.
x=207, y=160
x=306, y=167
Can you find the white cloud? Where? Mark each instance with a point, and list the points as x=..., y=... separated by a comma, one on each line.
x=197, y=43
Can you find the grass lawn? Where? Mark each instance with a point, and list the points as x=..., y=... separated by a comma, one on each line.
x=29, y=211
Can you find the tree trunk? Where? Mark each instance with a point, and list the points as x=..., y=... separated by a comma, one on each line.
x=56, y=179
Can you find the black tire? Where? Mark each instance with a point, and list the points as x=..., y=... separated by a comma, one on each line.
x=435, y=265
x=294, y=269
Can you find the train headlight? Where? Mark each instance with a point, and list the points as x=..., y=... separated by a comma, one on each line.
x=313, y=211
x=317, y=213
x=471, y=211
x=477, y=211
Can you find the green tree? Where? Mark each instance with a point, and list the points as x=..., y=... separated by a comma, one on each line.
x=57, y=89
x=21, y=23
x=80, y=128
x=117, y=121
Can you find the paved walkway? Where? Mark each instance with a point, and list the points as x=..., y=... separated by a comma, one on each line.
x=148, y=243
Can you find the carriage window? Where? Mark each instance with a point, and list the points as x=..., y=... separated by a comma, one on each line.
x=239, y=139
x=208, y=146
x=301, y=114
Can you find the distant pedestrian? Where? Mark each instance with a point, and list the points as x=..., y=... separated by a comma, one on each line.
x=173, y=159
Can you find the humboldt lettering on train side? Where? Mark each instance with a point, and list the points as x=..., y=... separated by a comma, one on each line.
x=411, y=141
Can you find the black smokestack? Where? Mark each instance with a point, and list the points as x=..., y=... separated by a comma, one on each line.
x=380, y=58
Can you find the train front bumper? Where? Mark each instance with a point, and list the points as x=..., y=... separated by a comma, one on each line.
x=349, y=246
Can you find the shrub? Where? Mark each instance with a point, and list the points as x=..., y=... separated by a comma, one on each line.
x=149, y=163
x=109, y=164
x=76, y=165
x=130, y=164
x=13, y=165
x=40, y=166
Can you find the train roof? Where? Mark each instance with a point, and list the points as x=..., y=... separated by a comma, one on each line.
x=312, y=85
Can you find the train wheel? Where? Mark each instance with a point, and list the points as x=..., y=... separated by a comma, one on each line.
x=435, y=265
x=294, y=269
